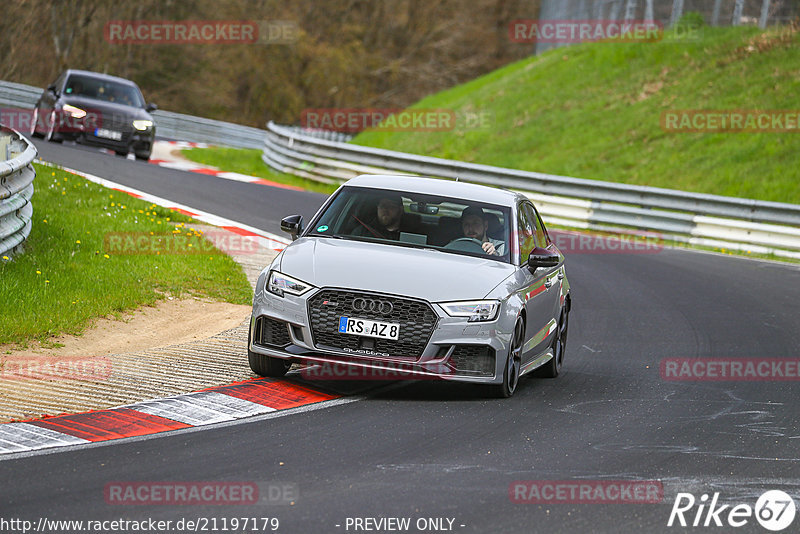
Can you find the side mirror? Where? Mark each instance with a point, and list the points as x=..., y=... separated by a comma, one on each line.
x=52, y=89
x=150, y=107
x=541, y=257
x=293, y=224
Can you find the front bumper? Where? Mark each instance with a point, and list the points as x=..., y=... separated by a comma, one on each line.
x=455, y=350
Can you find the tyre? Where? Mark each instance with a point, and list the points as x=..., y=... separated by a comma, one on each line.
x=34, y=120
x=513, y=362
x=552, y=368
x=143, y=156
x=50, y=134
x=267, y=366
x=123, y=153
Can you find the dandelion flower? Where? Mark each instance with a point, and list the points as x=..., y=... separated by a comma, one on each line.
x=78, y=241
x=38, y=272
x=106, y=256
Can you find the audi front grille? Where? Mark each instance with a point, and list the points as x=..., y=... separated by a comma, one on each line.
x=415, y=317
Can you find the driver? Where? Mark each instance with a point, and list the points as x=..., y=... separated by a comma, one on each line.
x=386, y=222
x=474, y=224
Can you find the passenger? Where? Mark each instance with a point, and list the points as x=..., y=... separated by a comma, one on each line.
x=386, y=222
x=474, y=224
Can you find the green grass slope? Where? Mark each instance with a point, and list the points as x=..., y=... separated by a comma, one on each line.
x=594, y=111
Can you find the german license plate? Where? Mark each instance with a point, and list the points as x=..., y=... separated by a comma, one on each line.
x=369, y=328
x=108, y=134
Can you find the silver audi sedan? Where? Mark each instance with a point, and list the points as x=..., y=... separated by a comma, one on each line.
x=422, y=277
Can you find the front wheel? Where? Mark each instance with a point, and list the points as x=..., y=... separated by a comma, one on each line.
x=513, y=362
x=34, y=121
x=51, y=134
x=268, y=366
x=143, y=156
x=552, y=368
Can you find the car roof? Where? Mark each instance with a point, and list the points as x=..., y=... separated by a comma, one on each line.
x=439, y=187
x=100, y=76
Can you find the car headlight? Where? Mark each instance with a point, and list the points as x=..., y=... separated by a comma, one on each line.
x=74, y=112
x=475, y=310
x=142, y=125
x=279, y=284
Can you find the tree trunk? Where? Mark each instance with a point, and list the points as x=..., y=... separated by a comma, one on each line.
x=762, y=22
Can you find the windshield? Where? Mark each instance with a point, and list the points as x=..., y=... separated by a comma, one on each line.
x=105, y=90
x=404, y=219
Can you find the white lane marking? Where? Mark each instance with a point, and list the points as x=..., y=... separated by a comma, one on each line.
x=201, y=408
x=233, y=406
x=255, y=419
x=15, y=437
x=183, y=410
x=271, y=241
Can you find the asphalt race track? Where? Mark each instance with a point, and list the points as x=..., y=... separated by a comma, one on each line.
x=436, y=450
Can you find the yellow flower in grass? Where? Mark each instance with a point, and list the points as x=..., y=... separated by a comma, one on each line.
x=38, y=272
x=106, y=256
x=78, y=241
x=5, y=257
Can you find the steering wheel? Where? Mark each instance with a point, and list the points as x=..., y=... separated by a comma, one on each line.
x=466, y=244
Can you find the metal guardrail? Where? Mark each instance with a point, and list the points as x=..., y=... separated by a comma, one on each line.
x=16, y=189
x=169, y=125
x=699, y=219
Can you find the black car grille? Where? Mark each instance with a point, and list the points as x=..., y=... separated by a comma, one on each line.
x=117, y=122
x=271, y=333
x=416, y=319
x=475, y=360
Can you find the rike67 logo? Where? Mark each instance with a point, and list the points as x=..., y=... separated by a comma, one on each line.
x=774, y=510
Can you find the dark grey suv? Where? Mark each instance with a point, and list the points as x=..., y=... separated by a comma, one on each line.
x=96, y=109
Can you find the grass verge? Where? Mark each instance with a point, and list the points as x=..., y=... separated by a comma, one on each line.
x=66, y=277
x=248, y=161
x=594, y=111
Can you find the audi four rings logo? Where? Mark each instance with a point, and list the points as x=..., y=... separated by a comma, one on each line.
x=384, y=307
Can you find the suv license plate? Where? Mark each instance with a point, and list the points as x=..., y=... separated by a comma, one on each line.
x=369, y=328
x=108, y=134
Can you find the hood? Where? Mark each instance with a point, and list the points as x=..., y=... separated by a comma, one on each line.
x=426, y=274
x=108, y=109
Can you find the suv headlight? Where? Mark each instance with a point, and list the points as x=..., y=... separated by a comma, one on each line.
x=475, y=310
x=279, y=284
x=74, y=112
x=142, y=125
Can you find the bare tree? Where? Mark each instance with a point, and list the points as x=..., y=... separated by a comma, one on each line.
x=67, y=20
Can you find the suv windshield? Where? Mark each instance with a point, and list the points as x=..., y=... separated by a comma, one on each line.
x=416, y=220
x=105, y=90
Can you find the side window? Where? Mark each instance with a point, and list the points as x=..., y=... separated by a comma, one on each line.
x=542, y=239
x=527, y=232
